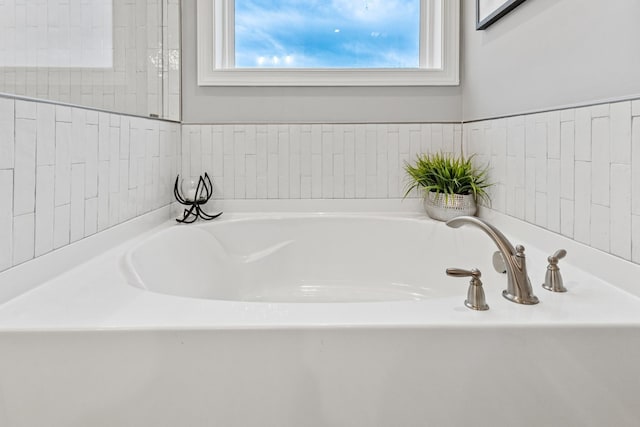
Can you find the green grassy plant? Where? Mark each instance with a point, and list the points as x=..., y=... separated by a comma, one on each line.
x=447, y=174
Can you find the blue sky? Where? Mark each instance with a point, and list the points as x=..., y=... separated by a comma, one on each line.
x=328, y=33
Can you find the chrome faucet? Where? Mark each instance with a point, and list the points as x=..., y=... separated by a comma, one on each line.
x=518, y=284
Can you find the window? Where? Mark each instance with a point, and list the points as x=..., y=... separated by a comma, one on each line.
x=328, y=42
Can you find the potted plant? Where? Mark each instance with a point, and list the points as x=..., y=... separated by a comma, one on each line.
x=452, y=185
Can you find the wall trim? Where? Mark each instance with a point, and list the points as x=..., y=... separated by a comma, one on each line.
x=64, y=104
x=603, y=101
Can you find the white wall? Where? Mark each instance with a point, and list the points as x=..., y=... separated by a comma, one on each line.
x=550, y=53
x=210, y=105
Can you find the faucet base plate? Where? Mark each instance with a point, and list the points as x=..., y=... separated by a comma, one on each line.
x=527, y=301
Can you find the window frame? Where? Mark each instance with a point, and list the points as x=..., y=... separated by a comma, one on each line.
x=215, y=59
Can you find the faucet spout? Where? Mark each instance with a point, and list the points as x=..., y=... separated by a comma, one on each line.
x=519, y=288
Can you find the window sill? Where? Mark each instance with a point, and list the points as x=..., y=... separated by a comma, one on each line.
x=323, y=77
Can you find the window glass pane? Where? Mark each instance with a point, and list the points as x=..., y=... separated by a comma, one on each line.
x=327, y=33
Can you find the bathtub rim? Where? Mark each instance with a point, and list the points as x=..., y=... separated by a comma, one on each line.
x=520, y=230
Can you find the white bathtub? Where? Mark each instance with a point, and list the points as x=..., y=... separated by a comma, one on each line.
x=301, y=258
x=308, y=319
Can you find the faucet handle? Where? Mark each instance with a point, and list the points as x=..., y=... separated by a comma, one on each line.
x=560, y=253
x=553, y=279
x=475, y=294
x=459, y=272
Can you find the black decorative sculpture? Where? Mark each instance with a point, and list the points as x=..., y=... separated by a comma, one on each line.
x=198, y=194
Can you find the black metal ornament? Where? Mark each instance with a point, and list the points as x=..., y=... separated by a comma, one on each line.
x=203, y=192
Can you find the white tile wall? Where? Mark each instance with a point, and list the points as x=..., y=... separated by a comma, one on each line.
x=44, y=33
x=119, y=66
x=329, y=161
x=581, y=172
x=66, y=173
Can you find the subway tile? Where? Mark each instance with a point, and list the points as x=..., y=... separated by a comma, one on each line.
x=125, y=137
x=338, y=176
x=635, y=166
x=63, y=114
x=621, y=210
x=61, y=226
x=371, y=150
x=567, y=160
x=114, y=205
x=78, y=124
x=582, y=226
x=457, y=140
x=114, y=160
x=103, y=192
x=103, y=136
x=530, y=190
x=349, y=151
x=63, y=164
x=601, y=110
x=26, y=109
x=520, y=203
x=553, y=195
x=583, y=134
x=531, y=136
x=45, y=176
x=250, y=138
x=7, y=132
x=316, y=176
x=600, y=227
x=371, y=187
x=567, y=217
x=46, y=132
x=425, y=138
x=515, y=121
x=541, y=140
x=91, y=117
x=515, y=141
x=349, y=186
x=6, y=219
x=541, y=209
x=327, y=187
x=415, y=141
x=25, y=167
x=553, y=135
x=294, y=176
x=621, y=132
x=499, y=192
x=305, y=187
x=217, y=151
x=77, y=205
x=124, y=190
x=635, y=238
x=498, y=140
x=382, y=177
x=283, y=154
x=403, y=137
x=91, y=160
x=600, y=165
x=228, y=179
x=272, y=174
x=24, y=238
x=567, y=115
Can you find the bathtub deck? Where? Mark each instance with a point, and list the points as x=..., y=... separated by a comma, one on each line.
x=96, y=296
